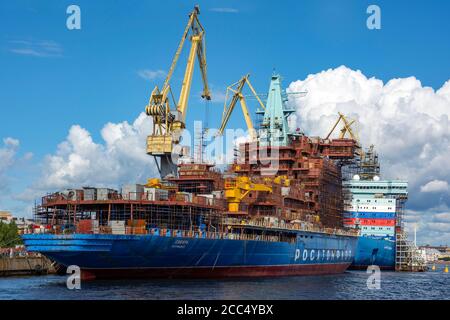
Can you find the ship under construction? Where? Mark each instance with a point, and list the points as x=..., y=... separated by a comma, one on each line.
x=276, y=210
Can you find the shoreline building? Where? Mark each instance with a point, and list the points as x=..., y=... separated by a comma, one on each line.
x=5, y=216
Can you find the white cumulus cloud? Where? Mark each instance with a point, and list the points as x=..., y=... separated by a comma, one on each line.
x=80, y=161
x=435, y=186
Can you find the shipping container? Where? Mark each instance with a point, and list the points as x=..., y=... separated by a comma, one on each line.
x=72, y=194
x=155, y=194
x=135, y=230
x=117, y=226
x=209, y=198
x=136, y=223
x=116, y=223
x=183, y=196
x=87, y=226
x=106, y=193
x=133, y=191
x=90, y=194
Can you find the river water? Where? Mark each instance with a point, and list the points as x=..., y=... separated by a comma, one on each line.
x=349, y=285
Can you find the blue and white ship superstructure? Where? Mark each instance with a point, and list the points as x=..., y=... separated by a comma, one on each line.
x=375, y=207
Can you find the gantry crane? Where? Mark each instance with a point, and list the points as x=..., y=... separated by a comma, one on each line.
x=168, y=124
x=236, y=90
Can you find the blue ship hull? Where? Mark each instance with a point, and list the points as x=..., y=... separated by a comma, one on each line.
x=374, y=251
x=111, y=256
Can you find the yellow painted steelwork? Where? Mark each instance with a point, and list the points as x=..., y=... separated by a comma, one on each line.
x=236, y=90
x=236, y=189
x=159, y=145
x=153, y=183
x=158, y=184
x=282, y=180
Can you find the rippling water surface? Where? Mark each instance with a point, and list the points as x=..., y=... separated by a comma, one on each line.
x=350, y=285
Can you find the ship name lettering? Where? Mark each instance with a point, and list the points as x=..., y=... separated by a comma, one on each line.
x=322, y=254
x=311, y=254
x=297, y=254
x=180, y=244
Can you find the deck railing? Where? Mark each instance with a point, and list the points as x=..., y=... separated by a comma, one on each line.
x=290, y=226
x=232, y=224
x=143, y=197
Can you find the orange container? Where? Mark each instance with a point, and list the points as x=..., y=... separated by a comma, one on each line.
x=84, y=226
x=136, y=223
x=135, y=230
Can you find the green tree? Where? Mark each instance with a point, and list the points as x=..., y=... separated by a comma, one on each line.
x=9, y=236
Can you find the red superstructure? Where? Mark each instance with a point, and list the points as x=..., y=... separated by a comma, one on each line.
x=310, y=164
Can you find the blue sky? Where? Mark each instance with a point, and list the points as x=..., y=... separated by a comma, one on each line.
x=91, y=76
x=95, y=78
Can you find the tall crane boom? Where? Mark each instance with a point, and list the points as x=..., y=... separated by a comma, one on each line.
x=167, y=123
x=346, y=128
x=236, y=90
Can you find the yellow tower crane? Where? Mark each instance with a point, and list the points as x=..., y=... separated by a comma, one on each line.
x=168, y=124
x=236, y=91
